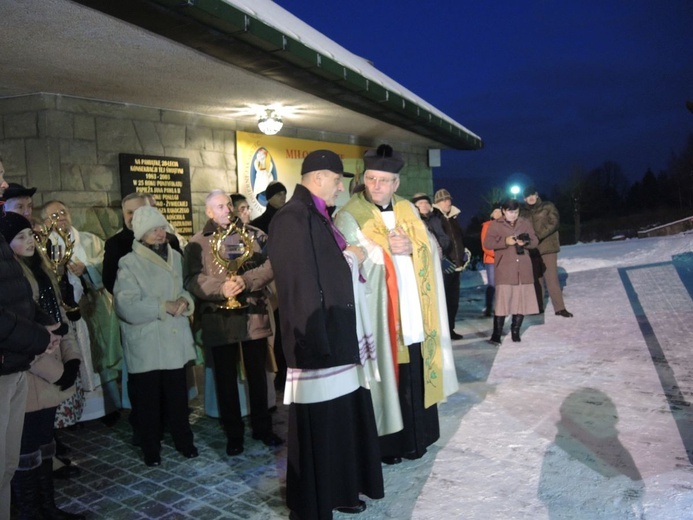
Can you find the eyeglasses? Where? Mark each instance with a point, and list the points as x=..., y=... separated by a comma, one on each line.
x=375, y=180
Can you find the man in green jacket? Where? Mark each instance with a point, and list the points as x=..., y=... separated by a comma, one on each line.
x=545, y=220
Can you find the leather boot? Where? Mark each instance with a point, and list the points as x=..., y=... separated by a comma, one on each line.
x=498, y=322
x=25, y=493
x=46, y=495
x=515, y=327
x=490, y=292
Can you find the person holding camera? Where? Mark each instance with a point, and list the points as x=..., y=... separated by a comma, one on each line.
x=509, y=237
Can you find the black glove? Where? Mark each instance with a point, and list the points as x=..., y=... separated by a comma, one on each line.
x=70, y=371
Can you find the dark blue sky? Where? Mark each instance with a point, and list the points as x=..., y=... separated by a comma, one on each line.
x=549, y=86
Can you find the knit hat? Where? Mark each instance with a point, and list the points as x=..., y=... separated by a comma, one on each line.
x=145, y=219
x=441, y=195
x=420, y=196
x=384, y=159
x=17, y=190
x=323, y=160
x=11, y=224
x=273, y=188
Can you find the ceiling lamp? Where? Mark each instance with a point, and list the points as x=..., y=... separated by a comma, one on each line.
x=270, y=122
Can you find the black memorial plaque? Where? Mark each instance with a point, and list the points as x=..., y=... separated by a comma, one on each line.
x=167, y=179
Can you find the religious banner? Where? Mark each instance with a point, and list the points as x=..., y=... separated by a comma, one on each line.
x=167, y=179
x=263, y=158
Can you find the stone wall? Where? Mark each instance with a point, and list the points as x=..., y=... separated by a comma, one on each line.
x=68, y=149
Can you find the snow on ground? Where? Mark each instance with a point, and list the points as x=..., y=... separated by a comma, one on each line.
x=631, y=252
x=587, y=418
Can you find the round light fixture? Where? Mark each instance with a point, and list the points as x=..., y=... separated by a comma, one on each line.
x=270, y=122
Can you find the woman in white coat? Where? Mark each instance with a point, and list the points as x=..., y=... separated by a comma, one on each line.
x=157, y=341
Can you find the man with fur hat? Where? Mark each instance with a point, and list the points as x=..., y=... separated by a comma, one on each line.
x=17, y=199
x=407, y=300
x=333, y=448
x=545, y=219
x=451, y=277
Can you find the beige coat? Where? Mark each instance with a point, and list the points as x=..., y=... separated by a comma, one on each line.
x=48, y=368
x=152, y=338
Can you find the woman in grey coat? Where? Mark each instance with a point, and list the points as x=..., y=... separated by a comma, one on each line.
x=508, y=237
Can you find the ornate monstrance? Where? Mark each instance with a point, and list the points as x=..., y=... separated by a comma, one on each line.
x=232, y=257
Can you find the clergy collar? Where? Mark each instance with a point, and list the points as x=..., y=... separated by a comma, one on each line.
x=384, y=208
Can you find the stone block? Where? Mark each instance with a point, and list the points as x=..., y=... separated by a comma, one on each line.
x=103, y=222
x=13, y=153
x=224, y=141
x=199, y=138
x=193, y=156
x=20, y=125
x=80, y=152
x=148, y=137
x=171, y=135
x=79, y=200
x=31, y=103
x=43, y=163
x=100, y=178
x=107, y=158
x=85, y=127
x=212, y=159
x=208, y=179
x=116, y=135
x=57, y=124
x=71, y=177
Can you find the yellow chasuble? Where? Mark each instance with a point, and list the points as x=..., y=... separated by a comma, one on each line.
x=367, y=215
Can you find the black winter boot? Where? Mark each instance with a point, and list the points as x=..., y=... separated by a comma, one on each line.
x=490, y=292
x=46, y=495
x=515, y=327
x=25, y=485
x=498, y=322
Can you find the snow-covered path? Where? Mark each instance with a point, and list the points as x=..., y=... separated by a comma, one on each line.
x=586, y=418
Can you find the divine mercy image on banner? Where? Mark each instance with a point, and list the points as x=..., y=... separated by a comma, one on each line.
x=262, y=159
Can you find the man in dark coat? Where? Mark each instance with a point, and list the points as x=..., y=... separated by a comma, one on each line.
x=439, y=226
x=451, y=277
x=25, y=332
x=333, y=442
x=276, y=198
x=545, y=219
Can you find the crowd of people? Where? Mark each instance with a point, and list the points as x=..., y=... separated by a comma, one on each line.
x=349, y=313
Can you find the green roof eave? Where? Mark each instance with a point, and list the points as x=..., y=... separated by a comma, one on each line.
x=219, y=29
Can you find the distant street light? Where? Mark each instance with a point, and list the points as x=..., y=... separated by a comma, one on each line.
x=515, y=190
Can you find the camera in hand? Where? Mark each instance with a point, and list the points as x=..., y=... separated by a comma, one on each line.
x=520, y=250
